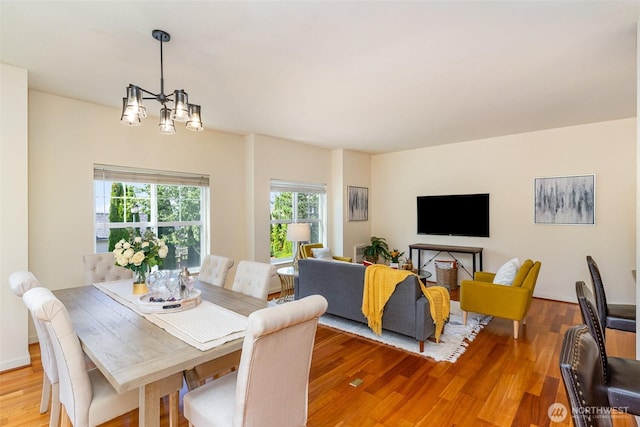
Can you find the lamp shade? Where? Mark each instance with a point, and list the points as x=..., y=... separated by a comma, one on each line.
x=166, y=124
x=195, y=122
x=181, y=110
x=298, y=232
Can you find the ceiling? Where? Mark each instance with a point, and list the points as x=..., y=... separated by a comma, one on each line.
x=371, y=76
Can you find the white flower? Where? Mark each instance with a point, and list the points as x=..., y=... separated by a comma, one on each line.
x=121, y=261
x=145, y=245
x=138, y=239
x=126, y=245
x=163, y=251
x=128, y=253
x=137, y=258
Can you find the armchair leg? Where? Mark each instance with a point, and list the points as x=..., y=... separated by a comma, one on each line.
x=464, y=318
x=421, y=346
x=516, y=328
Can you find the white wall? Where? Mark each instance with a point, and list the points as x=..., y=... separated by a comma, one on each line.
x=276, y=158
x=505, y=167
x=14, y=229
x=356, y=172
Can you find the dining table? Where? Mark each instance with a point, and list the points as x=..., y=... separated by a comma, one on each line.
x=134, y=353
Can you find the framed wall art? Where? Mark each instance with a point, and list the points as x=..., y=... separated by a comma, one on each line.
x=568, y=200
x=358, y=199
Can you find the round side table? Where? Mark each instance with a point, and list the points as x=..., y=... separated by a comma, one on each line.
x=287, y=276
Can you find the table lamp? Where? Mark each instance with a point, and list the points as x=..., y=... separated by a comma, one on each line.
x=298, y=233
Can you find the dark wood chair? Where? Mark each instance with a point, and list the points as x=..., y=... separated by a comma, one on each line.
x=621, y=375
x=614, y=316
x=583, y=379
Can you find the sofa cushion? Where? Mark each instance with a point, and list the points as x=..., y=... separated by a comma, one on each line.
x=507, y=272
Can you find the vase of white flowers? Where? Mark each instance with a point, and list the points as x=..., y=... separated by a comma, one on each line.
x=139, y=254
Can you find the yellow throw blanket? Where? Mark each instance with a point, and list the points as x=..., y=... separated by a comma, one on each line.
x=439, y=306
x=379, y=283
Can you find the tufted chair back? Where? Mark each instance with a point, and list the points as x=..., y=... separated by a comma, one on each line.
x=102, y=268
x=275, y=363
x=74, y=379
x=214, y=269
x=87, y=397
x=21, y=282
x=253, y=278
x=583, y=378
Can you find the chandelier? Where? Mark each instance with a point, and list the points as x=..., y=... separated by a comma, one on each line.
x=133, y=109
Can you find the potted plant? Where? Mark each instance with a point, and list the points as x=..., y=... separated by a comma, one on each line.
x=377, y=249
x=395, y=255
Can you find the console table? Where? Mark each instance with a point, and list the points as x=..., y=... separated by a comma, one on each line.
x=476, y=252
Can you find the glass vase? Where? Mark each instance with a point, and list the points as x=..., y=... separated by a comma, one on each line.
x=140, y=281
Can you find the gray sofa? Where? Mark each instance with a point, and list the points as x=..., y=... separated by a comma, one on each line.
x=342, y=284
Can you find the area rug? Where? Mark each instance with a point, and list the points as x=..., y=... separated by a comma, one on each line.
x=453, y=342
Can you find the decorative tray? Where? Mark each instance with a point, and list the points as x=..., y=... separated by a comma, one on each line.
x=156, y=302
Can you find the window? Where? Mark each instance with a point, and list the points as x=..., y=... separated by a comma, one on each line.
x=293, y=202
x=173, y=205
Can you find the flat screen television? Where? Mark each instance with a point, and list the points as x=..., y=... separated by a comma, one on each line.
x=454, y=215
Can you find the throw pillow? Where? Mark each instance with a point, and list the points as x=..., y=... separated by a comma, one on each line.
x=321, y=253
x=507, y=272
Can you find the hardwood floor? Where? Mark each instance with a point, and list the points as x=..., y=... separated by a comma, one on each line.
x=499, y=381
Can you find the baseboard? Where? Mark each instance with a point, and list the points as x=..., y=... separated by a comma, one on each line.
x=18, y=362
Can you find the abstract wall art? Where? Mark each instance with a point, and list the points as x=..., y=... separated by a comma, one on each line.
x=568, y=200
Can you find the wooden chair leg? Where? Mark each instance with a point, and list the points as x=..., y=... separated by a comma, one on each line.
x=464, y=318
x=516, y=328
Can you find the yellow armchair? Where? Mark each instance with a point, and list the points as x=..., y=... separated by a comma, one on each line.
x=306, y=251
x=510, y=302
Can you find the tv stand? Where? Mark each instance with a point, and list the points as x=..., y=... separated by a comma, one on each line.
x=475, y=252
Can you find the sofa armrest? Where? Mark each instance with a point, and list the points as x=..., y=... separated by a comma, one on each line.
x=425, y=327
x=342, y=258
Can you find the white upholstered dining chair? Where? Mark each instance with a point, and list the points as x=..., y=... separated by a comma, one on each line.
x=274, y=368
x=21, y=282
x=253, y=279
x=102, y=267
x=86, y=396
x=214, y=269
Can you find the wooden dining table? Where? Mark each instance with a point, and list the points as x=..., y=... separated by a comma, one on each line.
x=133, y=353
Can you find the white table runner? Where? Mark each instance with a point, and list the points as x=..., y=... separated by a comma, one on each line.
x=205, y=326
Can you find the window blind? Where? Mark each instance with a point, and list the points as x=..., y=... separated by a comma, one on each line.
x=297, y=187
x=127, y=174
